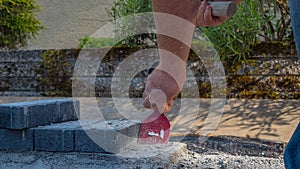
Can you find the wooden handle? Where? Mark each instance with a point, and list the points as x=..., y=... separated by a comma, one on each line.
x=224, y=9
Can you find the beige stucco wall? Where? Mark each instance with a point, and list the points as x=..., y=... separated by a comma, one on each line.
x=66, y=21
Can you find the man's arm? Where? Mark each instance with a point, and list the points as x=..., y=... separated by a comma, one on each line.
x=184, y=16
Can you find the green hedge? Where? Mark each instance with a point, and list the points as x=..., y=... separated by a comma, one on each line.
x=254, y=22
x=18, y=22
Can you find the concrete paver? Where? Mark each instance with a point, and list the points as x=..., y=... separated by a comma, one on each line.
x=86, y=136
x=16, y=139
x=24, y=115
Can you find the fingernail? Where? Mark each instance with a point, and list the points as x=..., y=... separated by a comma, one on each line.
x=146, y=104
x=208, y=7
x=202, y=3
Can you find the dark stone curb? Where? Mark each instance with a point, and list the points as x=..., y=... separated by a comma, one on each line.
x=24, y=115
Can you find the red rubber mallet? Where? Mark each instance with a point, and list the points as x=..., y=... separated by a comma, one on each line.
x=155, y=129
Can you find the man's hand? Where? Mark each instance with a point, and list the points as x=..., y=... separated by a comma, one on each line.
x=161, y=80
x=205, y=18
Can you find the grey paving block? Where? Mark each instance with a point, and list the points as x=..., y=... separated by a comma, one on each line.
x=8, y=120
x=58, y=137
x=69, y=110
x=85, y=144
x=16, y=139
x=25, y=115
x=106, y=137
x=86, y=136
x=99, y=141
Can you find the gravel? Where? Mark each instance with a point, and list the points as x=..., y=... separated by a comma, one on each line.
x=195, y=155
x=221, y=160
x=264, y=154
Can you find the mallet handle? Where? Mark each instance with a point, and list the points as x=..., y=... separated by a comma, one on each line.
x=224, y=9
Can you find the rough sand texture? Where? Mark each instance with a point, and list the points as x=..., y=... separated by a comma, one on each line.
x=176, y=157
x=223, y=161
x=135, y=156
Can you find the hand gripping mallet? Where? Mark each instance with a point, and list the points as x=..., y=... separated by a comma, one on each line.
x=155, y=129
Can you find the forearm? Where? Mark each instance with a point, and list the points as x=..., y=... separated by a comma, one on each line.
x=175, y=21
x=175, y=28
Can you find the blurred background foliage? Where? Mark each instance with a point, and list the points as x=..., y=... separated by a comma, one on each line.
x=18, y=22
x=258, y=27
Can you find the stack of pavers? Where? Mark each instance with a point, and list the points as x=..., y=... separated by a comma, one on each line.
x=54, y=125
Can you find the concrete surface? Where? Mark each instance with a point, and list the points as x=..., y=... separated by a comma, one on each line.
x=273, y=120
x=66, y=21
x=267, y=119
